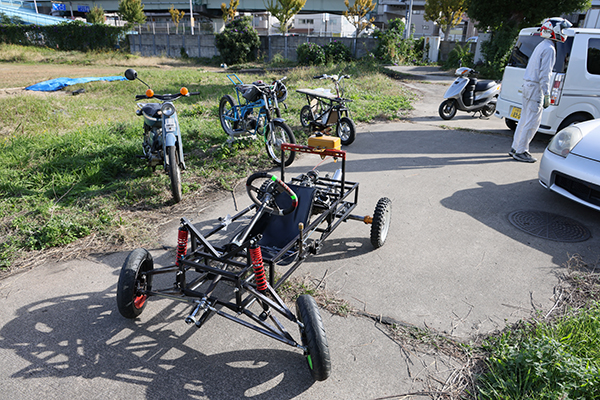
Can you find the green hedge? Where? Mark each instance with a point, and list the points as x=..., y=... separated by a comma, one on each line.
x=74, y=35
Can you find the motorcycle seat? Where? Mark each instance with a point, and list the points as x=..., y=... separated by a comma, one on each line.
x=484, y=85
x=151, y=109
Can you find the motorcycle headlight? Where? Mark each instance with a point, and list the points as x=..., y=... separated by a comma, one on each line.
x=564, y=141
x=167, y=109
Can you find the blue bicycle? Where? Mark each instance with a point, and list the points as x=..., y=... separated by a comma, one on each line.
x=240, y=121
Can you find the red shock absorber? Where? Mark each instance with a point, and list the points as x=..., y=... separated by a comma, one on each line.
x=259, y=268
x=182, y=242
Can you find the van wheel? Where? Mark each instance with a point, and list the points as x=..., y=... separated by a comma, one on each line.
x=447, y=109
x=511, y=124
x=573, y=119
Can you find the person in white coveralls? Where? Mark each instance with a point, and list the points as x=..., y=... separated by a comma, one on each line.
x=536, y=87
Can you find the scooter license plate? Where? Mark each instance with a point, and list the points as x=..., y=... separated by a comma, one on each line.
x=515, y=113
x=170, y=125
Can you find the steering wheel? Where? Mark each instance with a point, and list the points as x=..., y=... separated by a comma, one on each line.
x=274, y=187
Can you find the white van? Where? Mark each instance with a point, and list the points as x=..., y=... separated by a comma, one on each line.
x=575, y=90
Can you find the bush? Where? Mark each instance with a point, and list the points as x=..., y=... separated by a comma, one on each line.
x=310, y=54
x=336, y=52
x=74, y=35
x=239, y=42
x=392, y=48
x=459, y=56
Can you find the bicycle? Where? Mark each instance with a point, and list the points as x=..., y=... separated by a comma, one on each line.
x=239, y=122
x=324, y=110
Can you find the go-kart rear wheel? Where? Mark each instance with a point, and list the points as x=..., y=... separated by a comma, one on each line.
x=381, y=222
x=313, y=337
x=131, y=299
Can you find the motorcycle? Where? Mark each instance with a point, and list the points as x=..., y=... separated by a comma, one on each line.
x=162, y=138
x=470, y=95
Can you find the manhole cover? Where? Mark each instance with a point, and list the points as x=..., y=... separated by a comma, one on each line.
x=549, y=226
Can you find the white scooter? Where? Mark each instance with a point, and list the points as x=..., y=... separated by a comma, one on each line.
x=470, y=95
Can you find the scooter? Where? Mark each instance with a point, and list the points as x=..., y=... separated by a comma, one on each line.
x=470, y=95
x=162, y=137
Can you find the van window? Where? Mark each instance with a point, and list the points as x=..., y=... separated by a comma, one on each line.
x=593, y=57
x=526, y=44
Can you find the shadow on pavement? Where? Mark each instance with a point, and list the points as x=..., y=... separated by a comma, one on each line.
x=84, y=336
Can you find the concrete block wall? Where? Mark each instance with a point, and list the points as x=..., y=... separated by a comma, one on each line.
x=203, y=45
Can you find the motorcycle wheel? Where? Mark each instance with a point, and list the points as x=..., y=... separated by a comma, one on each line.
x=174, y=173
x=346, y=130
x=273, y=140
x=488, y=110
x=447, y=109
x=226, y=108
x=306, y=116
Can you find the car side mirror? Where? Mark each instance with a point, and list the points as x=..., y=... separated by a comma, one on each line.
x=131, y=74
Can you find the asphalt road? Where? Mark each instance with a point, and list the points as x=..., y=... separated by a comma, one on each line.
x=453, y=262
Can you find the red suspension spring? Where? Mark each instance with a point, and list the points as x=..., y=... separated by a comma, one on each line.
x=182, y=242
x=259, y=268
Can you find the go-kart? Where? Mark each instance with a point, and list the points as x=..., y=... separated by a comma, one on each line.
x=284, y=225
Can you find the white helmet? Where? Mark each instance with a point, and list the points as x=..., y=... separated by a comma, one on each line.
x=552, y=28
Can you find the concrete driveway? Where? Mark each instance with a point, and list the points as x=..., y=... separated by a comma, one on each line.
x=453, y=262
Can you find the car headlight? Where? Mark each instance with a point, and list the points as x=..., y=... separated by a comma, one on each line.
x=564, y=141
x=167, y=109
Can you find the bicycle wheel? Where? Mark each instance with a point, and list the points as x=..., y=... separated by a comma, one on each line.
x=174, y=173
x=346, y=130
x=273, y=140
x=227, y=114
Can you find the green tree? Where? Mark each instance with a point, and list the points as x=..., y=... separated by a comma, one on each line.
x=239, y=41
x=96, y=15
x=131, y=11
x=284, y=11
x=446, y=13
x=504, y=19
x=356, y=14
x=229, y=12
x=494, y=14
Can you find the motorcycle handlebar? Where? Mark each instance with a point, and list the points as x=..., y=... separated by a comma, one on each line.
x=165, y=97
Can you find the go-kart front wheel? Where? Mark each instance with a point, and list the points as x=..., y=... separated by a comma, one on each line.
x=381, y=222
x=313, y=337
x=131, y=296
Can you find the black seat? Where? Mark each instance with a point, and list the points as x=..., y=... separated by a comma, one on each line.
x=484, y=85
x=278, y=231
x=151, y=109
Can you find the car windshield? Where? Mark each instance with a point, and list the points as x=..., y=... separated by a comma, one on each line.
x=525, y=45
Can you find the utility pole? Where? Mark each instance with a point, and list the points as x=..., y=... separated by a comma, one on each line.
x=192, y=17
x=408, y=19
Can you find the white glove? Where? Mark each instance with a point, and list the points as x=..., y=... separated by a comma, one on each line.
x=546, y=100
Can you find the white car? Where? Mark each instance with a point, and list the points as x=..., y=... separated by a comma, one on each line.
x=571, y=163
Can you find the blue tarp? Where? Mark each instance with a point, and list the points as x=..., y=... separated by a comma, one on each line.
x=59, y=83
